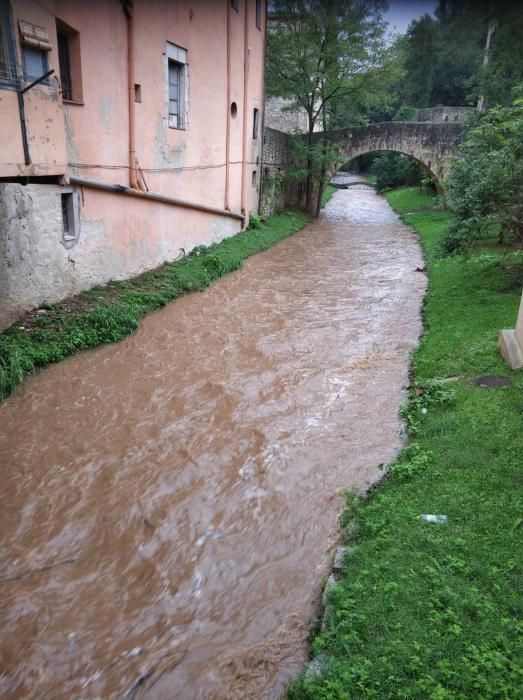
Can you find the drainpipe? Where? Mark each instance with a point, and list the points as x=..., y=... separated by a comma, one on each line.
x=245, y=103
x=128, y=9
x=228, y=107
x=262, y=135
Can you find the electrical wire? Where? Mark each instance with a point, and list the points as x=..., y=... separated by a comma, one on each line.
x=102, y=166
x=212, y=166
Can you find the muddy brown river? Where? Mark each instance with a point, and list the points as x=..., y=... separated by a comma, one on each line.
x=169, y=504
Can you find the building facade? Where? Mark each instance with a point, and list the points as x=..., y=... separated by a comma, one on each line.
x=141, y=140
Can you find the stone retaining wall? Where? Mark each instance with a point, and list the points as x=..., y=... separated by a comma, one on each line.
x=278, y=191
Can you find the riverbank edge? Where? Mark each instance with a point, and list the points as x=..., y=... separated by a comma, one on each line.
x=109, y=313
x=413, y=605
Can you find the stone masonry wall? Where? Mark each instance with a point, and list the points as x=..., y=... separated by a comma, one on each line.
x=278, y=117
x=277, y=190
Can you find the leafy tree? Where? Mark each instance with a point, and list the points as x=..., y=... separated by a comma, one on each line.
x=320, y=52
x=444, y=55
x=420, y=55
x=383, y=98
x=395, y=169
x=485, y=186
x=504, y=69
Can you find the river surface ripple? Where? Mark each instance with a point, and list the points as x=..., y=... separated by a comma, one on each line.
x=170, y=503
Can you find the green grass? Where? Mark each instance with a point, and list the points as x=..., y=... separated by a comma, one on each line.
x=371, y=178
x=108, y=314
x=327, y=194
x=434, y=611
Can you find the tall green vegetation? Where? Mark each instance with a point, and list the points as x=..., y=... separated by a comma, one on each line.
x=444, y=55
x=485, y=187
x=321, y=53
x=395, y=169
x=504, y=68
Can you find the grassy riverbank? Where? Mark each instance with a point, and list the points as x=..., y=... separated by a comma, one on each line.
x=426, y=610
x=109, y=313
x=327, y=194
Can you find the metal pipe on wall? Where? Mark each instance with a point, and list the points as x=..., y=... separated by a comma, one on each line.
x=245, y=101
x=228, y=107
x=262, y=134
x=155, y=196
x=128, y=9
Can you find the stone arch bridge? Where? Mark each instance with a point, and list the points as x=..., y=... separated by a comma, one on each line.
x=433, y=144
x=432, y=140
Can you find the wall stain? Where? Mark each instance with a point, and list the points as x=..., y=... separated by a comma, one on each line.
x=166, y=156
x=105, y=107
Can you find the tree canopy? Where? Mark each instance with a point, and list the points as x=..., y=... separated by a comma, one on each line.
x=485, y=187
x=322, y=51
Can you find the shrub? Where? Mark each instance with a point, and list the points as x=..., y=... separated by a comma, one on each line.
x=485, y=186
x=394, y=170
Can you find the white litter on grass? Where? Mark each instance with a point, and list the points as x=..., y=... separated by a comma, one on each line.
x=433, y=518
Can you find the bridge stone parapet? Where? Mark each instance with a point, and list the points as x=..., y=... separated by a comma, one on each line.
x=443, y=114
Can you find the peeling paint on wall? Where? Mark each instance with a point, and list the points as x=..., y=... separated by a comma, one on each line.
x=130, y=236
x=72, y=152
x=166, y=156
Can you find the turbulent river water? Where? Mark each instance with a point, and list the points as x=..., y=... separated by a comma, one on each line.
x=169, y=504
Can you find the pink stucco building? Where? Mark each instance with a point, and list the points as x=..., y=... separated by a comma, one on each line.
x=143, y=140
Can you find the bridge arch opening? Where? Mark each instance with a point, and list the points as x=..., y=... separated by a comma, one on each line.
x=391, y=167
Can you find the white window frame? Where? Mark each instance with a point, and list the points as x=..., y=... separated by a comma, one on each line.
x=179, y=56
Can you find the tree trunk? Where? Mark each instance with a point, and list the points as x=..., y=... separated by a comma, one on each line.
x=323, y=171
x=321, y=184
x=308, y=186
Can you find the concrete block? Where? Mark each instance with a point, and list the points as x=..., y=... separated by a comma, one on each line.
x=331, y=582
x=316, y=667
x=510, y=342
x=510, y=349
x=340, y=557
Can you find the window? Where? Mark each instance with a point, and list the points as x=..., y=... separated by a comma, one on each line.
x=175, y=94
x=35, y=62
x=70, y=219
x=69, y=60
x=254, y=178
x=235, y=4
x=35, y=46
x=65, y=66
x=7, y=48
x=258, y=14
x=255, y=119
x=177, y=86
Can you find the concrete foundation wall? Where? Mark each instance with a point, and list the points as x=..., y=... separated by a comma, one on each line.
x=116, y=237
